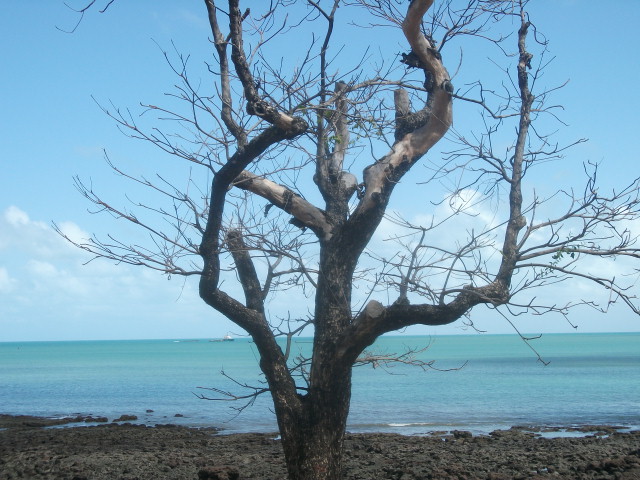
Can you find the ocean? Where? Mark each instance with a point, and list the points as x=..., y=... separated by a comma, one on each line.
x=481, y=382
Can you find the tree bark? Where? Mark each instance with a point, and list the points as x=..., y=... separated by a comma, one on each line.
x=313, y=445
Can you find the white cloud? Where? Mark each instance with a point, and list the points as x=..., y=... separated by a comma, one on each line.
x=16, y=217
x=450, y=224
x=481, y=215
x=42, y=269
x=37, y=239
x=53, y=293
x=73, y=232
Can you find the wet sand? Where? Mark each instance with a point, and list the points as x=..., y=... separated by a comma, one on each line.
x=37, y=448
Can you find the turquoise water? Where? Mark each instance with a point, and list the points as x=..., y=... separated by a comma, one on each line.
x=591, y=379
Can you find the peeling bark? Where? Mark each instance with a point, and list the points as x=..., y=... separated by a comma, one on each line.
x=415, y=133
x=306, y=213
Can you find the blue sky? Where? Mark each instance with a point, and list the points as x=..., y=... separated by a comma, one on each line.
x=51, y=130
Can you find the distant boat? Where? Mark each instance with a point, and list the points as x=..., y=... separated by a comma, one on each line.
x=226, y=338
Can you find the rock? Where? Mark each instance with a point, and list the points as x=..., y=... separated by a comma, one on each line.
x=222, y=472
x=126, y=451
x=498, y=476
x=91, y=419
x=614, y=464
x=125, y=418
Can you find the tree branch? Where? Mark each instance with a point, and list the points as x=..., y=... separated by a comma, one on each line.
x=246, y=271
x=225, y=86
x=256, y=105
x=381, y=177
x=304, y=212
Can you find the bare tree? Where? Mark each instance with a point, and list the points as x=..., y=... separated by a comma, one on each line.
x=277, y=202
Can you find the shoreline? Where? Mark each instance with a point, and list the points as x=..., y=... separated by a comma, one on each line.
x=40, y=448
x=77, y=420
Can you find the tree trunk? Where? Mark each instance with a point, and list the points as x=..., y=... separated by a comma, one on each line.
x=313, y=445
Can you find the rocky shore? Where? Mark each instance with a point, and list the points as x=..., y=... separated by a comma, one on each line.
x=38, y=448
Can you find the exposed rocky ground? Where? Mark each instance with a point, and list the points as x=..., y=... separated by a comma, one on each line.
x=31, y=449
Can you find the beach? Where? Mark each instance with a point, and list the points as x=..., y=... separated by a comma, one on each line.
x=40, y=448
